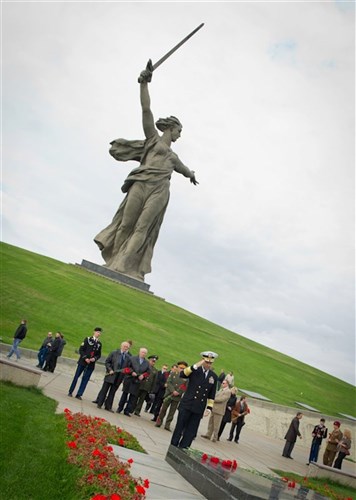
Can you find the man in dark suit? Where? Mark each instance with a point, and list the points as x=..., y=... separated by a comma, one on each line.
x=137, y=369
x=198, y=400
x=90, y=352
x=115, y=363
x=292, y=434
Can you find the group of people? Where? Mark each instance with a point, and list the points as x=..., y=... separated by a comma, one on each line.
x=337, y=442
x=192, y=390
x=49, y=352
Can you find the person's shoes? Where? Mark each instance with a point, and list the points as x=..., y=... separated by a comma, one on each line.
x=127, y=414
x=167, y=429
x=110, y=410
x=153, y=419
x=204, y=436
x=38, y=366
x=236, y=442
x=118, y=411
x=70, y=394
x=290, y=458
x=218, y=439
x=137, y=414
x=79, y=397
x=285, y=456
x=307, y=463
x=228, y=439
x=95, y=402
x=99, y=406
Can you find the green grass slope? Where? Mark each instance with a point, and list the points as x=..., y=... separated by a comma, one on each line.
x=55, y=296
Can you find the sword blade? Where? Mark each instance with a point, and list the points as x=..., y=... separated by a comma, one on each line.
x=160, y=61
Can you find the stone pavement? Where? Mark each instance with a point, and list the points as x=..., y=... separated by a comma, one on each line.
x=254, y=451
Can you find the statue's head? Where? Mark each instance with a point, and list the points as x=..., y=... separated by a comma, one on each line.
x=170, y=122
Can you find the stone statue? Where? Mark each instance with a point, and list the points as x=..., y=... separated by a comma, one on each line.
x=127, y=243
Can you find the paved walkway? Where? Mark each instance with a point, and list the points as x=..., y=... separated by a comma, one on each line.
x=254, y=451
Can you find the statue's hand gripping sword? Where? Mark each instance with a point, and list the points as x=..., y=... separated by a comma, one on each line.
x=151, y=67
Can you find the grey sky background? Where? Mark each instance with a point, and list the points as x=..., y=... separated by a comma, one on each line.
x=264, y=246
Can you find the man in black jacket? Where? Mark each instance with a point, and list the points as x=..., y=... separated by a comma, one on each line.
x=115, y=363
x=19, y=335
x=198, y=400
x=137, y=370
x=292, y=434
x=90, y=352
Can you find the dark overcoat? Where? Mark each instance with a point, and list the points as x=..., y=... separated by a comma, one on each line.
x=113, y=363
x=293, y=431
x=131, y=383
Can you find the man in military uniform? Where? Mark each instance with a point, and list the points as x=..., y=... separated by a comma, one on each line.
x=174, y=391
x=90, y=352
x=198, y=400
x=147, y=385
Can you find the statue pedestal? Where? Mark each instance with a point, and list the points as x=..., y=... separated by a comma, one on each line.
x=114, y=275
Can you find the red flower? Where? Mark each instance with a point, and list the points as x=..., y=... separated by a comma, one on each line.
x=109, y=448
x=96, y=453
x=214, y=460
x=98, y=497
x=130, y=460
x=127, y=370
x=114, y=496
x=66, y=410
x=122, y=472
x=234, y=465
x=146, y=483
x=204, y=457
x=140, y=489
x=91, y=439
x=72, y=444
x=121, y=442
x=291, y=484
x=183, y=387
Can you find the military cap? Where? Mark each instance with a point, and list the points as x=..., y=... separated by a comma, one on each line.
x=153, y=357
x=209, y=356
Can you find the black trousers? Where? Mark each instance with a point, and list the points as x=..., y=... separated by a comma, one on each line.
x=186, y=428
x=107, y=394
x=288, y=448
x=236, y=427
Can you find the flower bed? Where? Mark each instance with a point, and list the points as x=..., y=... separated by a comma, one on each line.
x=104, y=477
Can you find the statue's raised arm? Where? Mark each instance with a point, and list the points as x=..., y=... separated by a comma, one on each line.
x=147, y=115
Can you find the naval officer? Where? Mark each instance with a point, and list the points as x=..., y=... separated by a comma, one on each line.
x=197, y=401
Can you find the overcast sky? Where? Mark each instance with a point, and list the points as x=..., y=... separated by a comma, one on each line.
x=264, y=245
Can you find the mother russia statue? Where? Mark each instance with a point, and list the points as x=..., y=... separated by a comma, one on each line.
x=127, y=243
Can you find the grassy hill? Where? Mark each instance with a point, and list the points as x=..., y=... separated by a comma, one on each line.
x=53, y=296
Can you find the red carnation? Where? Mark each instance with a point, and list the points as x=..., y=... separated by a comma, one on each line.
x=127, y=370
x=146, y=483
x=204, y=457
x=130, y=460
x=140, y=489
x=72, y=444
x=115, y=496
x=121, y=442
x=214, y=460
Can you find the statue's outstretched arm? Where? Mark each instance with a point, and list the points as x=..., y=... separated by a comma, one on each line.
x=147, y=115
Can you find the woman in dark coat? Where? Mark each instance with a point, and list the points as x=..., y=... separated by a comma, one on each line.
x=229, y=406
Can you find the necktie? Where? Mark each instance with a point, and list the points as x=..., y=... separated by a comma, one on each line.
x=122, y=359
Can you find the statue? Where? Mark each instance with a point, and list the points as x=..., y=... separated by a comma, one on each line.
x=127, y=243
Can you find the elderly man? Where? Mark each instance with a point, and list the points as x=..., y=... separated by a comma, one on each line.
x=198, y=400
x=115, y=363
x=137, y=370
